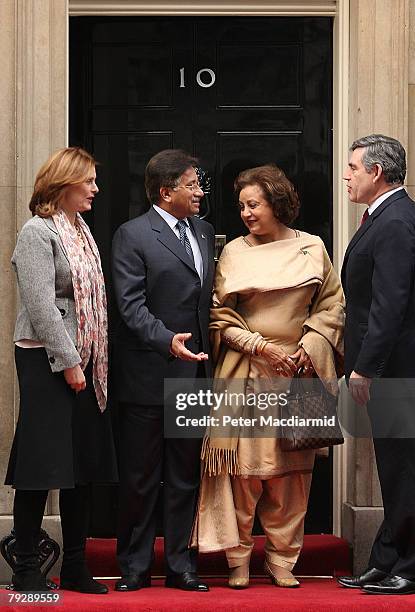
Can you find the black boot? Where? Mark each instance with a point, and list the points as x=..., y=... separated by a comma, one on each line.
x=28, y=513
x=29, y=581
x=79, y=579
x=74, y=508
x=27, y=575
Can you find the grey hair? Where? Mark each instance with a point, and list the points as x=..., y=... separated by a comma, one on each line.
x=387, y=152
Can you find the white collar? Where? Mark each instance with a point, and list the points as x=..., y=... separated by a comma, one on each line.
x=170, y=219
x=382, y=198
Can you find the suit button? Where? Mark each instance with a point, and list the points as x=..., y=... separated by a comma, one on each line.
x=52, y=359
x=197, y=340
x=62, y=311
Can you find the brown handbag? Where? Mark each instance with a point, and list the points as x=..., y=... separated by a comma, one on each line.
x=308, y=399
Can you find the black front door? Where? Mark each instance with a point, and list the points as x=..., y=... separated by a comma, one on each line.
x=237, y=92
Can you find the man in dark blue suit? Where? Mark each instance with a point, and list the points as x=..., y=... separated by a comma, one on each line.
x=163, y=269
x=378, y=277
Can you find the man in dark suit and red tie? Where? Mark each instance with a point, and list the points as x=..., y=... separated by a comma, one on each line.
x=163, y=266
x=378, y=277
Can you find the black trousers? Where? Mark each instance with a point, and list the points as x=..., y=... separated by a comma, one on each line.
x=146, y=458
x=394, y=547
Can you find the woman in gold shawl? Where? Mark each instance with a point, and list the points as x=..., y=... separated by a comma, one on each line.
x=277, y=311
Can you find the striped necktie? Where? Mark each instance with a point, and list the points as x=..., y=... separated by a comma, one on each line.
x=182, y=226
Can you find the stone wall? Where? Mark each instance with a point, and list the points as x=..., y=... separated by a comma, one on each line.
x=33, y=108
x=378, y=103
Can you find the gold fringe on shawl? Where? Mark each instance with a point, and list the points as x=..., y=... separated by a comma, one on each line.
x=219, y=460
x=219, y=449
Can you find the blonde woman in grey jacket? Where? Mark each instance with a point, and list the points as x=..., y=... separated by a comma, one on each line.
x=63, y=437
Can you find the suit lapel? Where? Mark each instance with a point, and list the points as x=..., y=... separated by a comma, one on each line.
x=372, y=218
x=51, y=225
x=202, y=242
x=358, y=235
x=168, y=238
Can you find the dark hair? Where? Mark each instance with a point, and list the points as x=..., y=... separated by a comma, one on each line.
x=387, y=152
x=279, y=192
x=164, y=170
x=65, y=167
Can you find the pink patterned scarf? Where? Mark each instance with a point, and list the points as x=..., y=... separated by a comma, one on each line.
x=90, y=299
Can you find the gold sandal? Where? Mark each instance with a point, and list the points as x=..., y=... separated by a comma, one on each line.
x=239, y=582
x=289, y=583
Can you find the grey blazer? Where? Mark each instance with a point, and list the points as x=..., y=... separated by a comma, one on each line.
x=47, y=307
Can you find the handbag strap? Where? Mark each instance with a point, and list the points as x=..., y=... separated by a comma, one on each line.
x=299, y=387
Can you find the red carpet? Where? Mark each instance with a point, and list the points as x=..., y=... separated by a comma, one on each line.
x=323, y=555
x=314, y=595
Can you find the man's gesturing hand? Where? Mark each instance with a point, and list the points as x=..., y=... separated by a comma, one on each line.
x=179, y=350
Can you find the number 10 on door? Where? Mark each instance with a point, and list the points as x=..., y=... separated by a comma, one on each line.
x=209, y=77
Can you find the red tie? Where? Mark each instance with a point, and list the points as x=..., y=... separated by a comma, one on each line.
x=364, y=216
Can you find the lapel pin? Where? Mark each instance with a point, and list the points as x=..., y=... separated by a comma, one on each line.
x=203, y=236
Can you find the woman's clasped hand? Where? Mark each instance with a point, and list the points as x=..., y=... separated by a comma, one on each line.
x=299, y=363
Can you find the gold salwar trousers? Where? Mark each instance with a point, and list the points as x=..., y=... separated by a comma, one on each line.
x=281, y=505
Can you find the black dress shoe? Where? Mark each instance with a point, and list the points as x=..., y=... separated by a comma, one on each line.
x=133, y=582
x=357, y=582
x=188, y=581
x=393, y=585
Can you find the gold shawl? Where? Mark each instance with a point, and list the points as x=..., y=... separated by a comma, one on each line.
x=297, y=262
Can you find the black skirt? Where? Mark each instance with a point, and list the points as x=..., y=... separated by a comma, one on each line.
x=62, y=438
